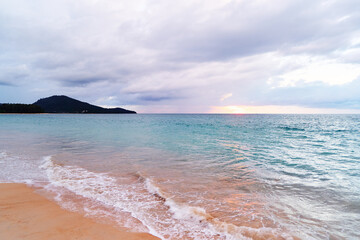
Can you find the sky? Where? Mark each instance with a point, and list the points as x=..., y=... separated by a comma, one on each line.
x=189, y=56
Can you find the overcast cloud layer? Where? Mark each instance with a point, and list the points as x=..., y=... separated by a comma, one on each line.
x=182, y=56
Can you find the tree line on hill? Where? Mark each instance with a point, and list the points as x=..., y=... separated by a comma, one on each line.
x=20, y=108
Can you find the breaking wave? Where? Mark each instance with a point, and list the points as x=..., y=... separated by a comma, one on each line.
x=149, y=204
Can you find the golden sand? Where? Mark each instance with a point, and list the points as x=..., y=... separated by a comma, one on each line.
x=28, y=216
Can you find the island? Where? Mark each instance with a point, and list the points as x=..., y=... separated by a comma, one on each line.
x=59, y=104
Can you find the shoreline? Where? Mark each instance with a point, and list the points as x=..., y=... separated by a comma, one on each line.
x=24, y=214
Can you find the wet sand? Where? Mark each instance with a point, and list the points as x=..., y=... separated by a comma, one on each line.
x=27, y=215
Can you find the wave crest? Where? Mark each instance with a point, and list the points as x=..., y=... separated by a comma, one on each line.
x=154, y=208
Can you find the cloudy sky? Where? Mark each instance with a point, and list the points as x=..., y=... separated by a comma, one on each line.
x=196, y=56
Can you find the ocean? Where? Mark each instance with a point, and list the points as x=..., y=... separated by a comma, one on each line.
x=194, y=176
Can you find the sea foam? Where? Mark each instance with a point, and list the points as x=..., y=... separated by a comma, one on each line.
x=145, y=201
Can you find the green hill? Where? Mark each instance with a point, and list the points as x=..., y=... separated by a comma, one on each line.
x=64, y=104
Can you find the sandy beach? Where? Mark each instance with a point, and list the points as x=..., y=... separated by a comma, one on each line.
x=27, y=215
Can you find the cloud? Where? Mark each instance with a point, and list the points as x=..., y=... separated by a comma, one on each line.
x=163, y=55
x=80, y=82
x=154, y=98
x=315, y=69
x=319, y=95
x=225, y=96
x=7, y=84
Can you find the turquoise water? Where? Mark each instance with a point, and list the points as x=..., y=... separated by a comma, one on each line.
x=194, y=176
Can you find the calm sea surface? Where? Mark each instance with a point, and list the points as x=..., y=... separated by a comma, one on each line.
x=195, y=176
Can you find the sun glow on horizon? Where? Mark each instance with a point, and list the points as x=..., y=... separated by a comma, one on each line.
x=229, y=109
x=273, y=109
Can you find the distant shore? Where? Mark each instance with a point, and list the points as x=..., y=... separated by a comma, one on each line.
x=26, y=215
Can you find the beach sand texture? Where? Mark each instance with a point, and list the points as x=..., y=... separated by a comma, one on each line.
x=27, y=215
